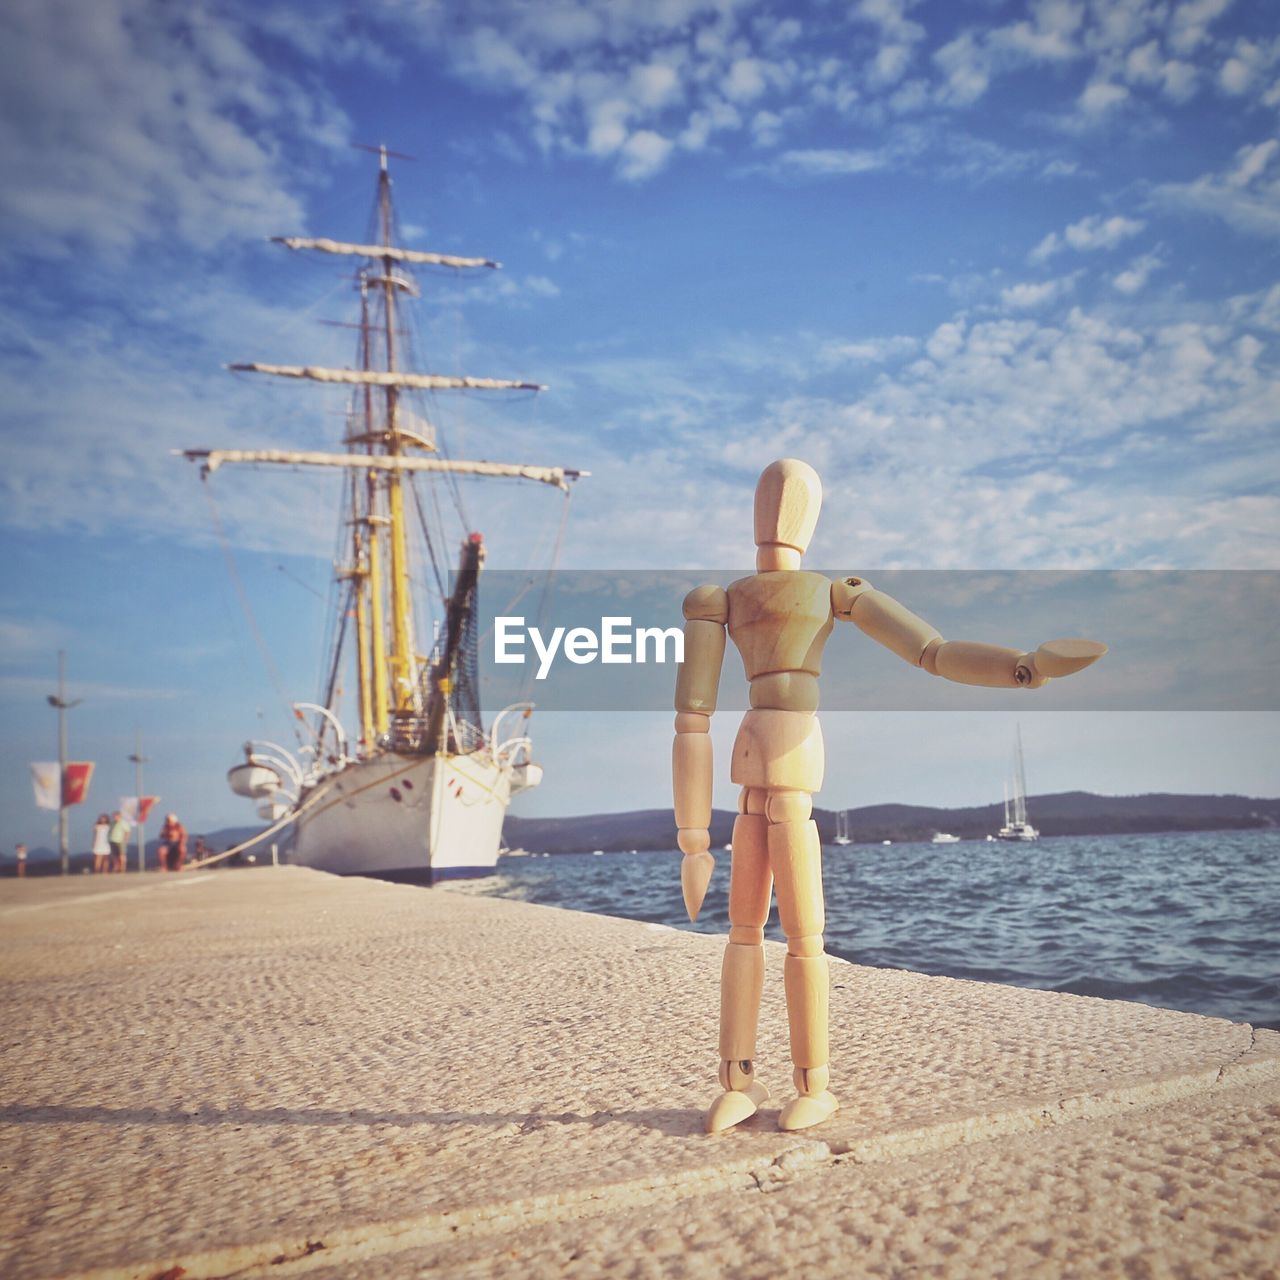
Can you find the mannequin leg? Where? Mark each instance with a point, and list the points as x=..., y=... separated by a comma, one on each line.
x=742, y=974
x=795, y=856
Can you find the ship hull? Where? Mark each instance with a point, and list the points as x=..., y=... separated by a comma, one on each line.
x=405, y=817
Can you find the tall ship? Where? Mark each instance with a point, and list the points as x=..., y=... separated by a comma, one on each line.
x=418, y=787
x=1016, y=826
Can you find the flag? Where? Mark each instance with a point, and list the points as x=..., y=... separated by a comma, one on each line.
x=75, y=782
x=44, y=781
x=133, y=812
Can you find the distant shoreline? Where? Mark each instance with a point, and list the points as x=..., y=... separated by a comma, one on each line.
x=1069, y=813
x=1066, y=813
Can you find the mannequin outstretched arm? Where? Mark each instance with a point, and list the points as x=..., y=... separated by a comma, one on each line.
x=963, y=661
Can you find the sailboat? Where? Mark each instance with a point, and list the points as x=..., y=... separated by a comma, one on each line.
x=420, y=789
x=1016, y=826
x=842, y=827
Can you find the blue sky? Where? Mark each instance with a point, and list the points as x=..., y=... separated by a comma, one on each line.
x=1007, y=274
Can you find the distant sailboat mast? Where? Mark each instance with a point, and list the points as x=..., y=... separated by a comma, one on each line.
x=1020, y=782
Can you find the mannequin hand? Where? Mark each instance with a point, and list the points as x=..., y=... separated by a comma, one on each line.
x=695, y=875
x=1057, y=658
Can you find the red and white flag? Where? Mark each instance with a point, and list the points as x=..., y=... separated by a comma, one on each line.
x=75, y=782
x=135, y=812
x=44, y=782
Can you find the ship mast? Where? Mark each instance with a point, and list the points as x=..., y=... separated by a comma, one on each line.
x=379, y=570
x=402, y=662
x=364, y=563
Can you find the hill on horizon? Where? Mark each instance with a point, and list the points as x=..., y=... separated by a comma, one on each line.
x=1059, y=814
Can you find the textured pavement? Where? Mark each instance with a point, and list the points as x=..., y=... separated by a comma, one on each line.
x=276, y=1072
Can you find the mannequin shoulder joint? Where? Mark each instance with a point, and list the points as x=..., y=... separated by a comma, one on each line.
x=844, y=594
x=707, y=604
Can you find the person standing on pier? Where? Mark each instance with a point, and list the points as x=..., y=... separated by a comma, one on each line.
x=173, y=844
x=101, y=844
x=119, y=839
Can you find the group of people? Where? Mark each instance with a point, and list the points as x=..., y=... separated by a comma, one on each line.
x=111, y=836
x=110, y=842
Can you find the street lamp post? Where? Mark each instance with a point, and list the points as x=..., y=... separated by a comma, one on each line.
x=63, y=706
x=138, y=761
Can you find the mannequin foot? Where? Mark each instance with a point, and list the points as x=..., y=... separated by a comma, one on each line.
x=734, y=1106
x=814, y=1102
x=808, y=1109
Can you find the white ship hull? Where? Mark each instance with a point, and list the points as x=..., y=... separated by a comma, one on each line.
x=437, y=817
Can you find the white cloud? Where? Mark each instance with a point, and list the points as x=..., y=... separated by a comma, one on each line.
x=131, y=119
x=19, y=636
x=1146, y=65
x=867, y=350
x=911, y=97
x=1051, y=36
x=655, y=84
x=1029, y=295
x=541, y=287
x=1061, y=169
x=1246, y=196
x=1100, y=97
x=500, y=287
x=966, y=67
x=698, y=72
x=625, y=83
x=1089, y=235
x=745, y=80
x=1235, y=75
x=831, y=162
x=1251, y=161
x=608, y=129
x=1189, y=27
x=1135, y=276
x=643, y=154
x=1000, y=440
x=889, y=65
x=891, y=17
x=766, y=128
x=1097, y=232
x=102, y=403
x=715, y=117
x=990, y=440
x=1247, y=65
x=898, y=34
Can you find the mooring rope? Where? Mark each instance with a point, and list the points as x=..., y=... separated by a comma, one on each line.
x=279, y=825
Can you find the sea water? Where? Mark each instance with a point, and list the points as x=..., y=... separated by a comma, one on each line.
x=1188, y=921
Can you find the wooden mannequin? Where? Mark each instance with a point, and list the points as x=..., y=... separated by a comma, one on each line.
x=779, y=619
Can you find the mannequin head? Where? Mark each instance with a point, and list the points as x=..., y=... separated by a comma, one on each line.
x=788, y=499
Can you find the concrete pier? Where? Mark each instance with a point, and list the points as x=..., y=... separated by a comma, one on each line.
x=274, y=1072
